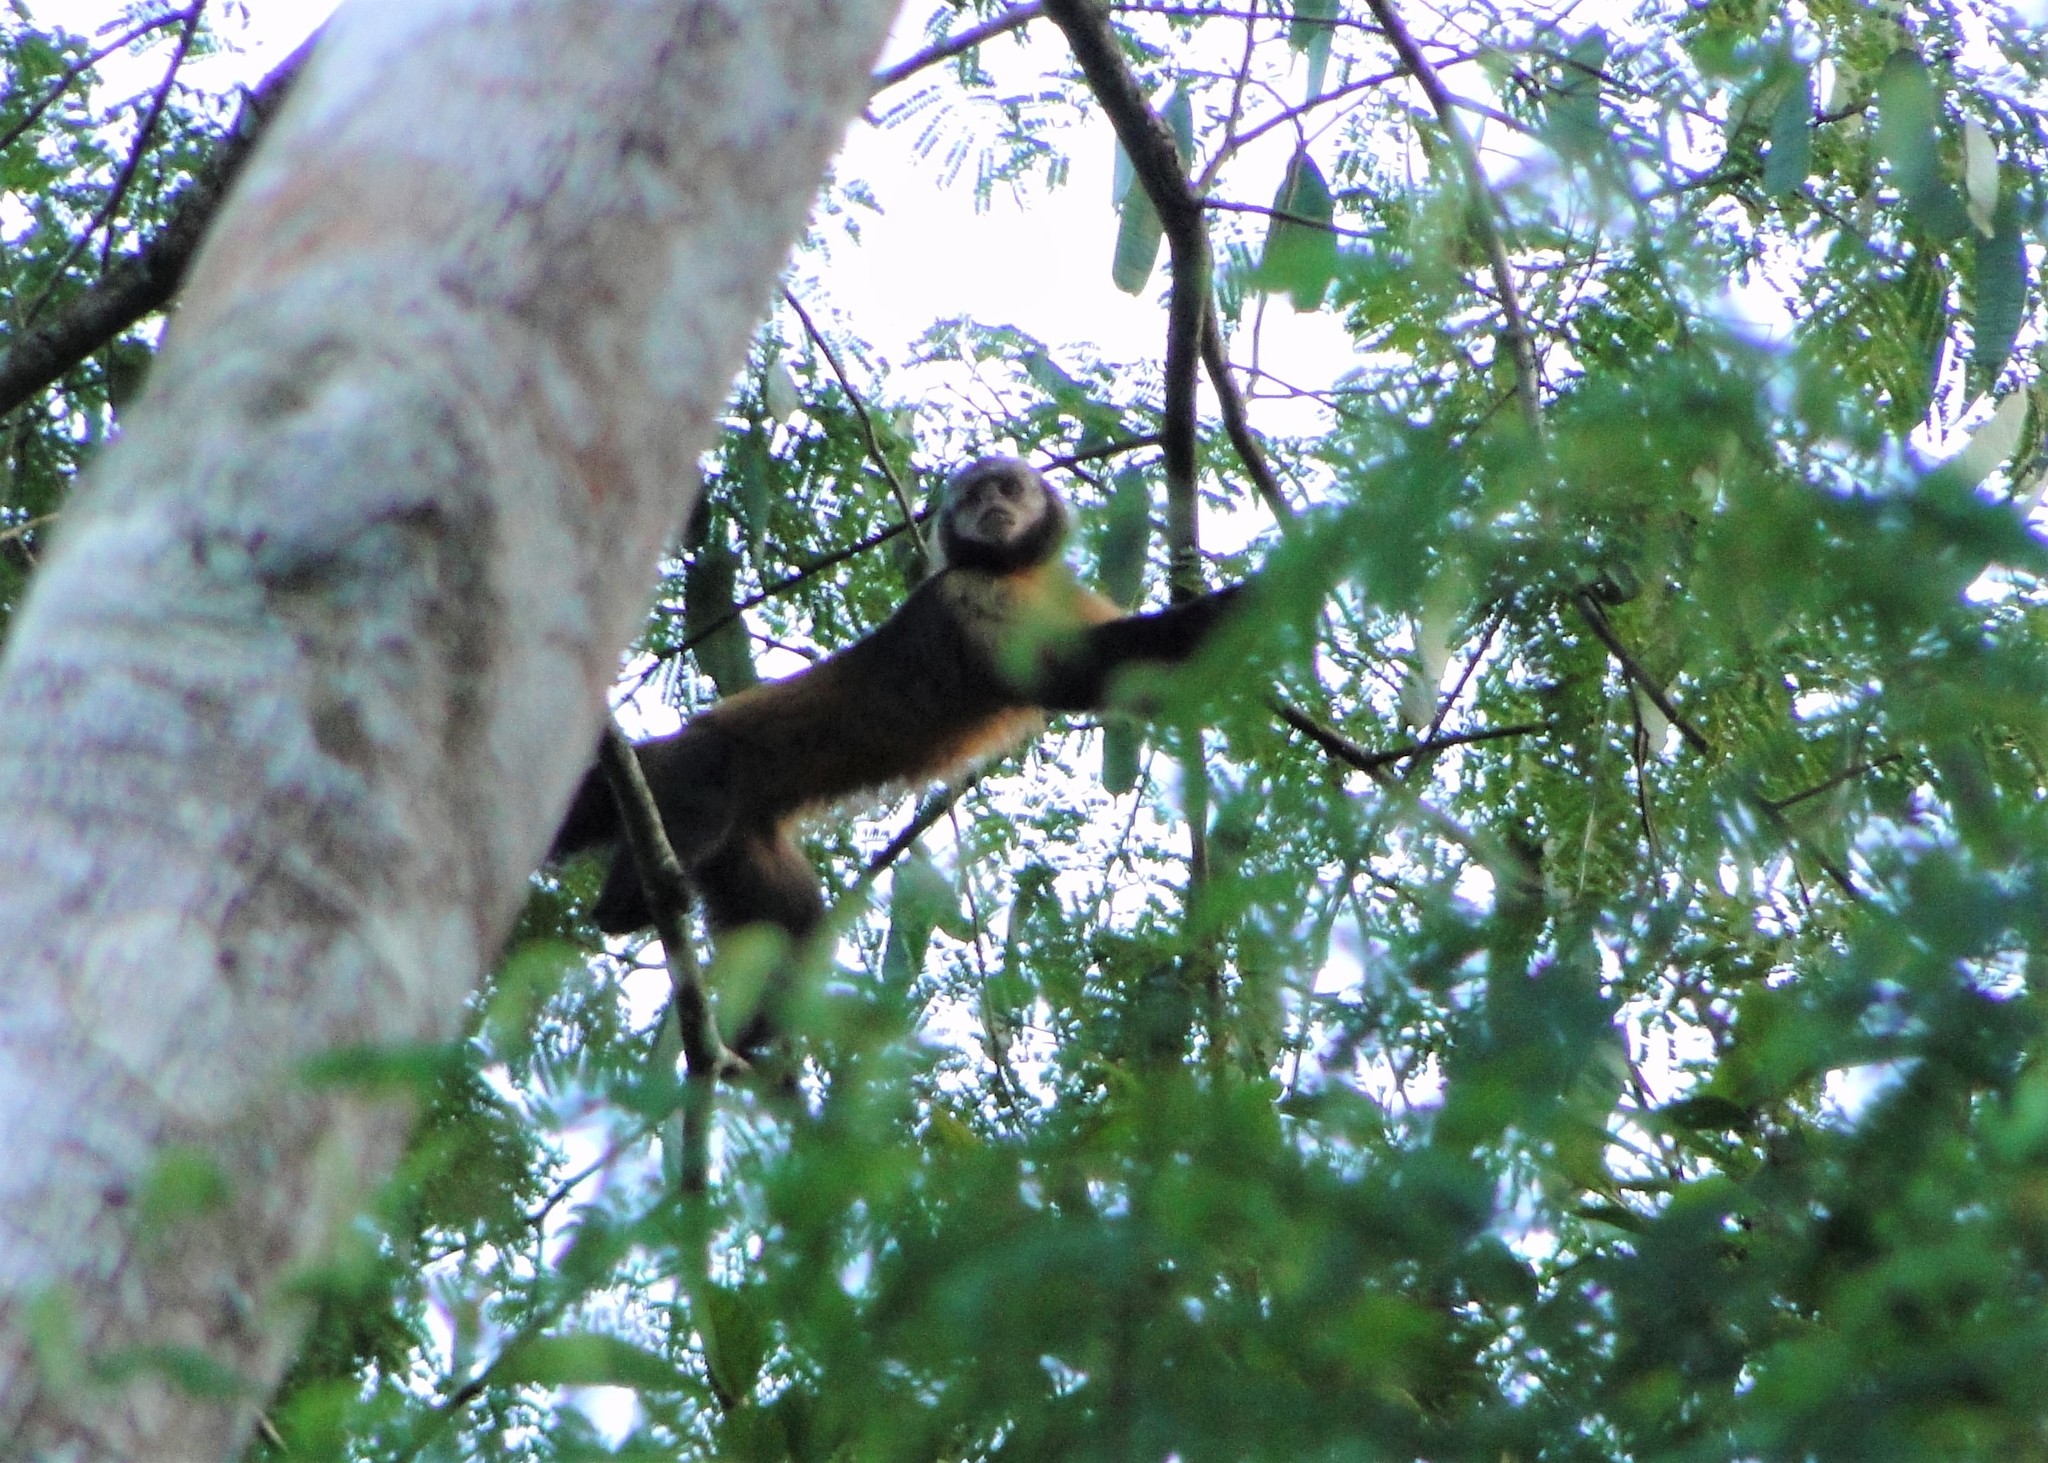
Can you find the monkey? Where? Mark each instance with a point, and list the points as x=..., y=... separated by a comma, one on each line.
x=963, y=671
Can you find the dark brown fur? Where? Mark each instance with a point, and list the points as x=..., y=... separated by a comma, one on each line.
x=962, y=672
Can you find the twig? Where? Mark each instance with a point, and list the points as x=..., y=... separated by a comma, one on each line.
x=1238, y=142
x=1156, y=161
x=1510, y=871
x=1854, y=770
x=929, y=812
x=1237, y=425
x=147, y=131
x=1596, y=620
x=1837, y=875
x=782, y=586
x=1107, y=449
x=23, y=530
x=1351, y=754
x=860, y=410
x=1323, y=225
x=1774, y=814
x=1012, y=19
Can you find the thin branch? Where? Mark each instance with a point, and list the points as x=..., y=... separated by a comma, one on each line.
x=928, y=813
x=1244, y=139
x=1837, y=875
x=1225, y=205
x=1847, y=774
x=668, y=896
x=1521, y=344
x=1107, y=449
x=1159, y=169
x=146, y=133
x=1204, y=12
x=1511, y=872
x=1596, y=618
x=1014, y=18
x=782, y=586
x=142, y=282
x=23, y=530
x=860, y=410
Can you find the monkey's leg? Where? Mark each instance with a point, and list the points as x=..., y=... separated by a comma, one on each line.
x=760, y=876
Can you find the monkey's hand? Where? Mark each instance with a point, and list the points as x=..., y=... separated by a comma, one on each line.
x=1075, y=674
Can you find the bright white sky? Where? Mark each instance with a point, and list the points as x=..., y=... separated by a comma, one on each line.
x=1042, y=266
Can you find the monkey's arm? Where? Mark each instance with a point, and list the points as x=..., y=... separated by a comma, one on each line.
x=1074, y=675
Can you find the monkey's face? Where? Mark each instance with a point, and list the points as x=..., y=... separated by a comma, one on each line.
x=995, y=501
x=1000, y=515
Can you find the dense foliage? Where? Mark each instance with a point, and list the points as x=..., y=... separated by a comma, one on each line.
x=1647, y=1067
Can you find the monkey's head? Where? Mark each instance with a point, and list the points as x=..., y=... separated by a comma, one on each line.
x=999, y=515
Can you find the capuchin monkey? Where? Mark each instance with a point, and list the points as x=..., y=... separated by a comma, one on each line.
x=963, y=672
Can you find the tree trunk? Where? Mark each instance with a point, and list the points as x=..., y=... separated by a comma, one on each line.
x=306, y=682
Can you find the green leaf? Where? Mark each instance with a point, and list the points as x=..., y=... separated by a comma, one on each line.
x=1034, y=912
x=585, y=1361
x=1908, y=112
x=2001, y=297
x=1312, y=18
x=921, y=899
x=1180, y=121
x=711, y=621
x=1312, y=31
x=1300, y=257
x=1123, y=751
x=1138, y=236
x=750, y=474
x=735, y=1336
x=1573, y=102
x=1791, y=155
x=1126, y=536
x=184, y=1183
x=1980, y=176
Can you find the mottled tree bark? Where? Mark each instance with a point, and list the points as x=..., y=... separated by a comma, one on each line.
x=320, y=653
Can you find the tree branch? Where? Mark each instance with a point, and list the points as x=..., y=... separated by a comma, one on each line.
x=78, y=68
x=1510, y=870
x=1596, y=620
x=1157, y=164
x=1237, y=425
x=1014, y=18
x=143, y=282
x=1521, y=344
x=668, y=896
x=1351, y=754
